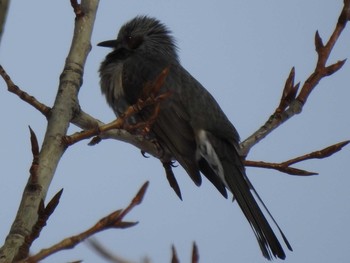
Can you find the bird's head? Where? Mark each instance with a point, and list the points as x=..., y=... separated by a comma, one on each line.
x=146, y=36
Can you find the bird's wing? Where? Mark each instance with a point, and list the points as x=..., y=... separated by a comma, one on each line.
x=172, y=131
x=177, y=136
x=174, y=127
x=202, y=109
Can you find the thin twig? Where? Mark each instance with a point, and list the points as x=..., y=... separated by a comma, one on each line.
x=320, y=154
x=279, y=167
x=291, y=102
x=11, y=87
x=285, y=166
x=113, y=220
x=119, y=123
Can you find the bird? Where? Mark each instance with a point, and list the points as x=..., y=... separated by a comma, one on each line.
x=190, y=127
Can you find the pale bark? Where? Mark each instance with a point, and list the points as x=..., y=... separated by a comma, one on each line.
x=52, y=149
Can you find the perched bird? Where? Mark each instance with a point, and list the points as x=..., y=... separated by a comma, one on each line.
x=190, y=127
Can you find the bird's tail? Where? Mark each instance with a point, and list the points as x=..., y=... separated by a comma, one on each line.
x=269, y=244
x=225, y=161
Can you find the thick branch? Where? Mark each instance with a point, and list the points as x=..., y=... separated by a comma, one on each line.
x=52, y=149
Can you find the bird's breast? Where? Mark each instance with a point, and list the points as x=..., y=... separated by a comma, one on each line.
x=112, y=87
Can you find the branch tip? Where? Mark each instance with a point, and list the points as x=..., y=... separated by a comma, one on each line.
x=140, y=194
x=335, y=67
x=318, y=42
x=34, y=143
x=125, y=224
x=345, y=14
x=174, y=258
x=289, y=92
x=51, y=206
x=195, y=254
x=330, y=150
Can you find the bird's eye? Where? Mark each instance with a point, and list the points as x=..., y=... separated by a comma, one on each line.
x=134, y=42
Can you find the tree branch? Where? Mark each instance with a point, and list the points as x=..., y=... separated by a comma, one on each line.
x=52, y=149
x=84, y=121
x=113, y=220
x=285, y=167
x=291, y=102
x=13, y=88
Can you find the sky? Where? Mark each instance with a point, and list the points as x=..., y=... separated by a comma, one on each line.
x=242, y=52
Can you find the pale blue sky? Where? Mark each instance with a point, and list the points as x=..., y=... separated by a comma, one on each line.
x=242, y=52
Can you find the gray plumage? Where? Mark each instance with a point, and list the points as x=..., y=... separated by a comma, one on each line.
x=190, y=128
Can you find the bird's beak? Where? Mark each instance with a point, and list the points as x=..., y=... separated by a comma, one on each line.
x=108, y=43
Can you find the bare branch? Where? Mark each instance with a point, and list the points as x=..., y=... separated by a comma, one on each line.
x=58, y=121
x=291, y=104
x=113, y=220
x=285, y=166
x=11, y=87
x=320, y=154
x=279, y=167
x=120, y=123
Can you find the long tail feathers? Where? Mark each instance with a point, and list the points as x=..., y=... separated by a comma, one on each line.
x=272, y=218
x=268, y=242
x=224, y=160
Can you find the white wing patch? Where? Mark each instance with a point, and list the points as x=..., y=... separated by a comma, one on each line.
x=207, y=151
